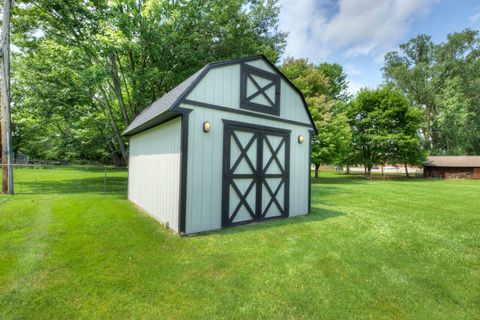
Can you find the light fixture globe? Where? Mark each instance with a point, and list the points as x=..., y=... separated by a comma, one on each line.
x=206, y=126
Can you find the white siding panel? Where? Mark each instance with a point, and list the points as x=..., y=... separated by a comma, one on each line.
x=205, y=164
x=221, y=87
x=154, y=171
x=260, y=64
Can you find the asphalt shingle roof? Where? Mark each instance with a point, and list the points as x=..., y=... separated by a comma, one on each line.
x=163, y=104
x=453, y=161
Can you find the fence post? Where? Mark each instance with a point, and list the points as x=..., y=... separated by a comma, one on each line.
x=105, y=180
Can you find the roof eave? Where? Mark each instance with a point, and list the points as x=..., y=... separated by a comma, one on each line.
x=161, y=118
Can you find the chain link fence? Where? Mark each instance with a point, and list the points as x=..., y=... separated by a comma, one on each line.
x=47, y=177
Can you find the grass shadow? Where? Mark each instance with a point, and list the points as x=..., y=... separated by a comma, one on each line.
x=358, y=178
x=316, y=214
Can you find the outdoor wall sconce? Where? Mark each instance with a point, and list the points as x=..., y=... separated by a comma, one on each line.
x=206, y=126
x=300, y=139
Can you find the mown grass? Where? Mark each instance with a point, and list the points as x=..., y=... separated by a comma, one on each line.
x=402, y=249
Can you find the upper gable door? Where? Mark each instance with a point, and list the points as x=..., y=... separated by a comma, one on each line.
x=259, y=90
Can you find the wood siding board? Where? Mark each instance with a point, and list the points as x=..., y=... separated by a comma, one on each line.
x=154, y=171
x=451, y=172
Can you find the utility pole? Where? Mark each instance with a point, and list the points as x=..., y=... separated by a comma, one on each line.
x=7, y=165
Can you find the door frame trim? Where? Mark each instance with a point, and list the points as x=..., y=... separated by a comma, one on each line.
x=257, y=130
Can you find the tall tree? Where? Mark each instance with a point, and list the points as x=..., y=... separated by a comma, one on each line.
x=337, y=81
x=324, y=87
x=131, y=52
x=443, y=81
x=384, y=127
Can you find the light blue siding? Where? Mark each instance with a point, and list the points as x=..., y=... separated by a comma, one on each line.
x=220, y=86
x=154, y=172
x=205, y=164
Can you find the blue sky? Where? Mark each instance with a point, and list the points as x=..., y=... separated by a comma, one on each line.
x=357, y=33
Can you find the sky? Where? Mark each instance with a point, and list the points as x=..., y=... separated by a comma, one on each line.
x=358, y=33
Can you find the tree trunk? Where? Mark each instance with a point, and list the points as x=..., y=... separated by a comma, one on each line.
x=7, y=165
x=116, y=132
x=317, y=168
x=116, y=87
x=406, y=170
x=348, y=169
x=369, y=170
x=383, y=173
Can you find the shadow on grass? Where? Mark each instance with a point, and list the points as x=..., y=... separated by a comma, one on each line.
x=342, y=178
x=115, y=185
x=317, y=214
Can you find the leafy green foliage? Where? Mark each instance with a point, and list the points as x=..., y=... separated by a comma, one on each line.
x=443, y=81
x=384, y=128
x=88, y=68
x=323, y=87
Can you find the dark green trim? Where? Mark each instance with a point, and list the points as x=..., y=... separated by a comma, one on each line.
x=182, y=217
x=161, y=119
x=311, y=133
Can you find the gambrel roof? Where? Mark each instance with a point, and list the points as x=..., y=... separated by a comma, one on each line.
x=164, y=108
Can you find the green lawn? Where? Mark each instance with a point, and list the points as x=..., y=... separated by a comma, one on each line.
x=370, y=249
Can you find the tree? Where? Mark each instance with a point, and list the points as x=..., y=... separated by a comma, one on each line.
x=441, y=80
x=384, y=127
x=337, y=81
x=330, y=145
x=116, y=57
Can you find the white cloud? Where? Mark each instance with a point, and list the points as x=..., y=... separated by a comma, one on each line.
x=352, y=70
x=356, y=28
x=474, y=18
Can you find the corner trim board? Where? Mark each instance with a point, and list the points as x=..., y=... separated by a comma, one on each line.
x=310, y=140
x=182, y=215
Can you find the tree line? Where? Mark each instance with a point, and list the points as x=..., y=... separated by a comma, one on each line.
x=429, y=103
x=82, y=71
x=85, y=69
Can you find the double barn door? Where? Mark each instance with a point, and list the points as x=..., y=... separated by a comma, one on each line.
x=255, y=173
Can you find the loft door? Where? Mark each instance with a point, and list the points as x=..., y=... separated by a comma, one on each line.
x=255, y=174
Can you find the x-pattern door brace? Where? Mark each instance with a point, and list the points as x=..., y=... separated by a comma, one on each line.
x=274, y=155
x=261, y=90
x=273, y=197
x=244, y=192
x=243, y=200
x=243, y=152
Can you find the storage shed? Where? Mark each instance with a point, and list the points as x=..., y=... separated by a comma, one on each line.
x=452, y=167
x=229, y=145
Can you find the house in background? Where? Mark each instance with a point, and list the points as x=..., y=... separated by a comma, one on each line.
x=452, y=167
x=230, y=145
